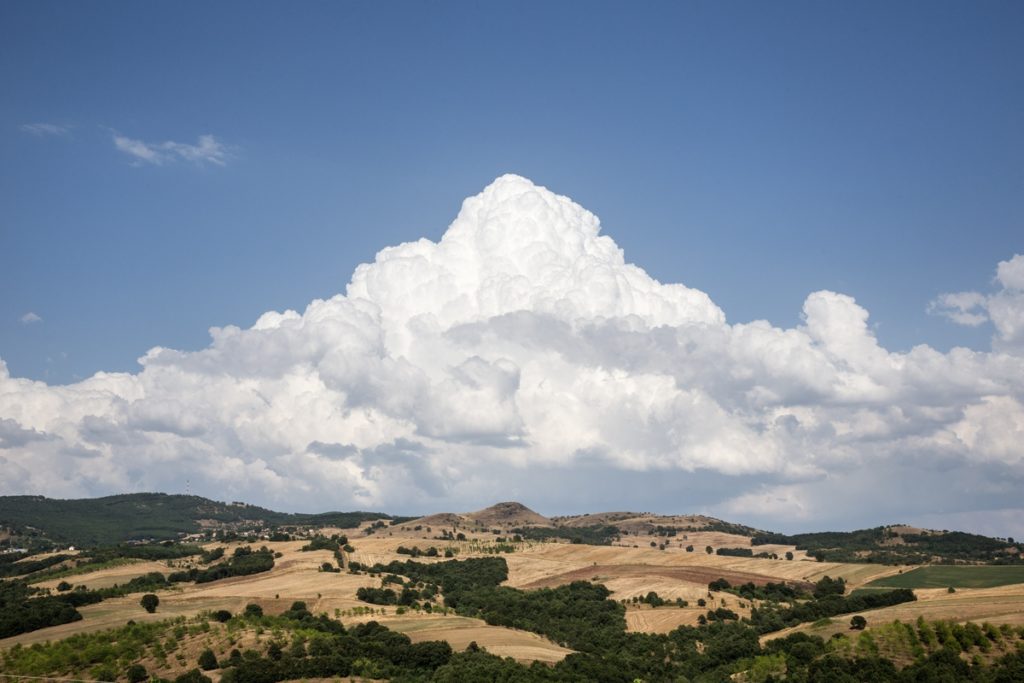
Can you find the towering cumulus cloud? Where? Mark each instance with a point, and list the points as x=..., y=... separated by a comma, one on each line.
x=521, y=355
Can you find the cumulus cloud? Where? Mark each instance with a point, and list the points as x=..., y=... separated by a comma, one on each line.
x=1004, y=309
x=30, y=318
x=44, y=129
x=520, y=354
x=207, y=150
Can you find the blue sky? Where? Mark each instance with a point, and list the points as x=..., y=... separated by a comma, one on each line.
x=757, y=152
x=171, y=168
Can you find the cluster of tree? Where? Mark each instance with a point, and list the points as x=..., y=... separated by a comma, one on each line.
x=772, y=617
x=14, y=564
x=212, y=555
x=416, y=552
x=245, y=561
x=20, y=612
x=334, y=543
x=655, y=600
x=408, y=597
x=735, y=552
x=773, y=592
x=166, y=550
x=447, y=535
x=598, y=534
x=330, y=650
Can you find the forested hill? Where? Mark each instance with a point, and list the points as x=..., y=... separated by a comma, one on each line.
x=899, y=544
x=133, y=516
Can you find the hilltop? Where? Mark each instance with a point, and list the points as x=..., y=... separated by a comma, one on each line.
x=507, y=515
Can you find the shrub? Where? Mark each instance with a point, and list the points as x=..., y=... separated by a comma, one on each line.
x=207, y=660
x=136, y=673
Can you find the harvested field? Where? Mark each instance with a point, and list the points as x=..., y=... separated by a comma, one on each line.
x=663, y=619
x=1002, y=605
x=105, y=578
x=459, y=632
x=688, y=574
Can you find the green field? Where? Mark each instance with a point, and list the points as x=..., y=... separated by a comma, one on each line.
x=943, y=576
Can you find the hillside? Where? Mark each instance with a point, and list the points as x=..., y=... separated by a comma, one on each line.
x=900, y=544
x=34, y=520
x=507, y=515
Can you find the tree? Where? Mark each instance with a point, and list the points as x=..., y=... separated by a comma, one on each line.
x=253, y=610
x=136, y=673
x=789, y=556
x=709, y=550
x=63, y=586
x=689, y=548
x=149, y=602
x=207, y=660
x=858, y=623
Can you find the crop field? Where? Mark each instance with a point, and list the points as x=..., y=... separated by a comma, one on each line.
x=983, y=593
x=943, y=576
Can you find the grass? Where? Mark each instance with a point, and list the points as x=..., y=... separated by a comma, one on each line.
x=943, y=576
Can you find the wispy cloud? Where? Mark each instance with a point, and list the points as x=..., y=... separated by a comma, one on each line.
x=43, y=129
x=208, y=150
x=30, y=318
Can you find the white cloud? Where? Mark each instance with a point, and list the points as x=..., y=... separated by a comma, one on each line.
x=522, y=350
x=30, y=318
x=43, y=129
x=1004, y=308
x=208, y=150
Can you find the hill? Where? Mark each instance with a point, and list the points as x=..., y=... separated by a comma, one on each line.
x=899, y=544
x=507, y=515
x=36, y=520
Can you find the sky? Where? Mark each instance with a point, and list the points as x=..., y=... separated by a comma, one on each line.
x=800, y=309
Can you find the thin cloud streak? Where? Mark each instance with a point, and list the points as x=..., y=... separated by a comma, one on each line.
x=208, y=150
x=44, y=129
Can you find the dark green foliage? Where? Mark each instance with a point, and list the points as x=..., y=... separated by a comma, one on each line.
x=770, y=617
x=253, y=610
x=377, y=596
x=21, y=613
x=114, y=519
x=719, y=585
x=597, y=534
x=8, y=569
x=858, y=623
x=208, y=660
x=774, y=592
x=866, y=545
x=652, y=599
x=222, y=615
x=735, y=552
x=321, y=543
x=136, y=673
x=244, y=562
x=416, y=552
x=212, y=555
x=829, y=586
x=149, y=602
x=193, y=676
